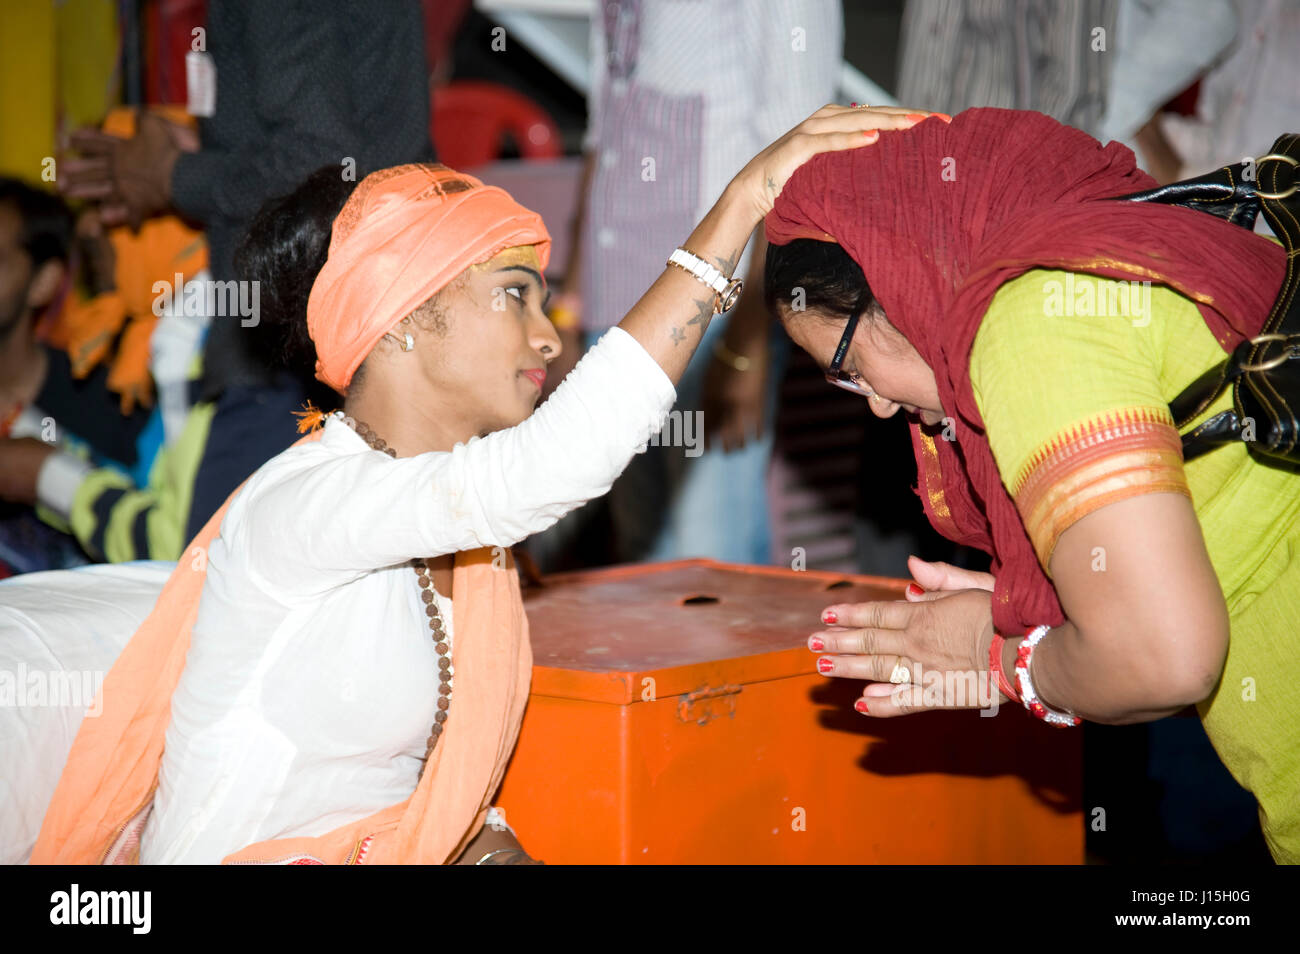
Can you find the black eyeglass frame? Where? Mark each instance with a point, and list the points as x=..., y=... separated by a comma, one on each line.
x=835, y=372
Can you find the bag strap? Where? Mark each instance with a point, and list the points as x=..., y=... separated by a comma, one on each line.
x=1227, y=192
x=1232, y=193
x=1280, y=177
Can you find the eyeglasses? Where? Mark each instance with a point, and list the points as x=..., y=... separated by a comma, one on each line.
x=835, y=373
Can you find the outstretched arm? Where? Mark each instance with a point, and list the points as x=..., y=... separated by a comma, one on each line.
x=671, y=318
x=362, y=511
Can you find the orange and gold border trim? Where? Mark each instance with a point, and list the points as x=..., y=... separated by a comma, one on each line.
x=1107, y=458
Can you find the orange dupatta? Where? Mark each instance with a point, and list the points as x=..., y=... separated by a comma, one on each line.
x=106, y=791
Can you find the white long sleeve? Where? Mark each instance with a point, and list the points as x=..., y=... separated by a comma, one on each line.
x=311, y=681
x=324, y=513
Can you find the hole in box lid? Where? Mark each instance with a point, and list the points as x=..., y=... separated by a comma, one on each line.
x=700, y=599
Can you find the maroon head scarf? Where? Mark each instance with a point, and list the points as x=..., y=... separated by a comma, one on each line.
x=940, y=215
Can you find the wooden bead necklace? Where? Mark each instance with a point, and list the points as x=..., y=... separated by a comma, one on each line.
x=424, y=574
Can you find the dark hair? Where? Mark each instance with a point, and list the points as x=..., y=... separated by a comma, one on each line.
x=284, y=249
x=46, y=221
x=833, y=285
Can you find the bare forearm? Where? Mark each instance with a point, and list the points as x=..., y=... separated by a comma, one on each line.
x=1091, y=679
x=671, y=318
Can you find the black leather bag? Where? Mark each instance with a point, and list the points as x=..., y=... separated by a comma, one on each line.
x=1265, y=371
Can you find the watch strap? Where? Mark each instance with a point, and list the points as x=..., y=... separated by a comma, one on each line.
x=727, y=290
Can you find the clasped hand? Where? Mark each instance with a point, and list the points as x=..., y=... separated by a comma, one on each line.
x=928, y=651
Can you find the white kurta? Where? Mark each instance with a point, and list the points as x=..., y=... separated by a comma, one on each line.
x=310, y=685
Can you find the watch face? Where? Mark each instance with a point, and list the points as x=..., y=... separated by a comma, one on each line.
x=731, y=294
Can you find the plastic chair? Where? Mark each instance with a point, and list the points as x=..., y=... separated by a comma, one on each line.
x=470, y=119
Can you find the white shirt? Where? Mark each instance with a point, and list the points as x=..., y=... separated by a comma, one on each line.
x=309, y=689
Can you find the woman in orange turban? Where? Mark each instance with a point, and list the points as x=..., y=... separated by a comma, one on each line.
x=349, y=687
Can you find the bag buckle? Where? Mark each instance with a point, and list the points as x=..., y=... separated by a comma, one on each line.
x=1280, y=157
x=1286, y=354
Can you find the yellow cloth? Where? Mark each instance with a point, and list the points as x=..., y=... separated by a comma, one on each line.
x=1044, y=377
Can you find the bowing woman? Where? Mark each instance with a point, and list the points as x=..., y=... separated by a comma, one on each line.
x=337, y=669
x=966, y=273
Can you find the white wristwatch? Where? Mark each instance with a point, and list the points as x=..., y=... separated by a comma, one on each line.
x=727, y=290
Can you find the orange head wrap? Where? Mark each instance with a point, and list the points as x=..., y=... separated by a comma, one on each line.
x=403, y=235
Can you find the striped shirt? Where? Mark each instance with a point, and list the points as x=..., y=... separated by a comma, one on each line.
x=1014, y=54
x=684, y=93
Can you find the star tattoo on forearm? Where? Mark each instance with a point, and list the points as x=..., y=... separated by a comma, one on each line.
x=704, y=310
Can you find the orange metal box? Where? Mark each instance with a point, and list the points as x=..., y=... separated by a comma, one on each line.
x=676, y=716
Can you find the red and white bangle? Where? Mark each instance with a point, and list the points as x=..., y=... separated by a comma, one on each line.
x=1027, y=695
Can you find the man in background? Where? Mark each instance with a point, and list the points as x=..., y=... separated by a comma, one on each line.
x=281, y=89
x=43, y=404
x=682, y=96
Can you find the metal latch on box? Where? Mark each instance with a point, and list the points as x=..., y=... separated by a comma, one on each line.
x=704, y=705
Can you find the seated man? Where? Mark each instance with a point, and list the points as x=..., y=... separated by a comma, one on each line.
x=77, y=444
x=43, y=406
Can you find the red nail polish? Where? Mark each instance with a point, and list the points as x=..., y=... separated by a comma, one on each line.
x=916, y=117
x=829, y=617
x=871, y=132
x=817, y=644
x=860, y=705
x=944, y=116
x=825, y=665
x=914, y=590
